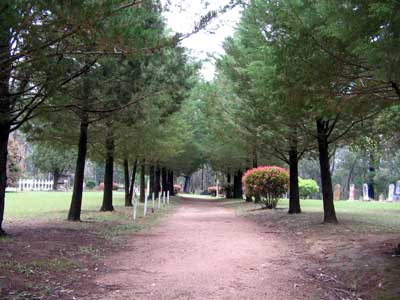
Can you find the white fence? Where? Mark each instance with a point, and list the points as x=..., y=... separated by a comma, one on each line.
x=33, y=185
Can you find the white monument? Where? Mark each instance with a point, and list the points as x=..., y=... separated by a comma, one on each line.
x=365, y=192
x=391, y=192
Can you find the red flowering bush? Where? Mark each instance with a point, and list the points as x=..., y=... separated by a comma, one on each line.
x=177, y=188
x=268, y=182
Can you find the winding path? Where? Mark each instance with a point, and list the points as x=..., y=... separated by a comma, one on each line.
x=202, y=251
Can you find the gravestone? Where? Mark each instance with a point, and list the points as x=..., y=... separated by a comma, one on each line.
x=337, y=193
x=381, y=197
x=391, y=192
x=396, y=195
x=352, y=192
x=365, y=192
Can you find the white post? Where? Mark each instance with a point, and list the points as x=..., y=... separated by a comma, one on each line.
x=135, y=200
x=168, y=197
x=20, y=184
x=152, y=202
x=146, y=196
x=159, y=200
x=217, y=193
x=148, y=187
x=51, y=185
x=163, y=198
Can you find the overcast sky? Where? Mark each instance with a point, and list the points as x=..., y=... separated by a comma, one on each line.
x=181, y=18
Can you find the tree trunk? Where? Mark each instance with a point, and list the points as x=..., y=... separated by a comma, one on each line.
x=76, y=201
x=142, y=180
x=326, y=180
x=132, y=183
x=5, y=108
x=157, y=182
x=164, y=179
x=152, y=180
x=126, y=179
x=171, y=183
x=255, y=158
x=56, y=177
x=371, y=175
x=4, y=136
x=108, y=174
x=186, y=184
x=294, y=195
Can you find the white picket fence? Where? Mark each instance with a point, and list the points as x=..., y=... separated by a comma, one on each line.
x=34, y=185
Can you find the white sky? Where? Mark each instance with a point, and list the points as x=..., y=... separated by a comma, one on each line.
x=182, y=16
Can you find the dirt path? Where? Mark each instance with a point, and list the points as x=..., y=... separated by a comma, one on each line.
x=203, y=251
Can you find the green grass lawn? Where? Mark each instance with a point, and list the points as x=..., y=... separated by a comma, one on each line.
x=28, y=205
x=361, y=216
x=55, y=205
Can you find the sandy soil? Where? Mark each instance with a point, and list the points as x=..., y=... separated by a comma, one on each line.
x=204, y=251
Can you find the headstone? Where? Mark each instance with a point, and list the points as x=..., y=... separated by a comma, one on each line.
x=152, y=202
x=365, y=192
x=135, y=201
x=337, y=193
x=381, y=197
x=391, y=192
x=352, y=192
x=396, y=195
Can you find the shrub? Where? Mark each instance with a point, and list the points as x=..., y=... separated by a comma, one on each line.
x=177, y=188
x=101, y=186
x=90, y=184
x=212, y=190
x=267, y=182
x=307, y=187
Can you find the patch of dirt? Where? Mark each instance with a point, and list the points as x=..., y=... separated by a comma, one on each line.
x=47, y=260
x=350, y=260
x=204, y=251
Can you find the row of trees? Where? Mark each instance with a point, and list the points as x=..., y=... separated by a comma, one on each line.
x=103, y=77
x=300, y=79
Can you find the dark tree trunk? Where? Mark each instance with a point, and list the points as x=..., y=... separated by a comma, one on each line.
x=164, y=179
x=126, y=179
x=237, y=183
x=157, y=182
x=235, y=186
x=132, y=183
x=326, y=180
x=186, y=184
x=294, y=195
x=5, y=108
x=108, y=174
x=142, y=181
x=371, y=175
x=56, y=177
x=152, y=180
x=76, y=201
x=255, y=159
x=240, y=184
x=4, y=136
x=171, y=183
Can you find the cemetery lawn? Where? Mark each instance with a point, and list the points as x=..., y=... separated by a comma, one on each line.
x=43, y=246
x=357, y=259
